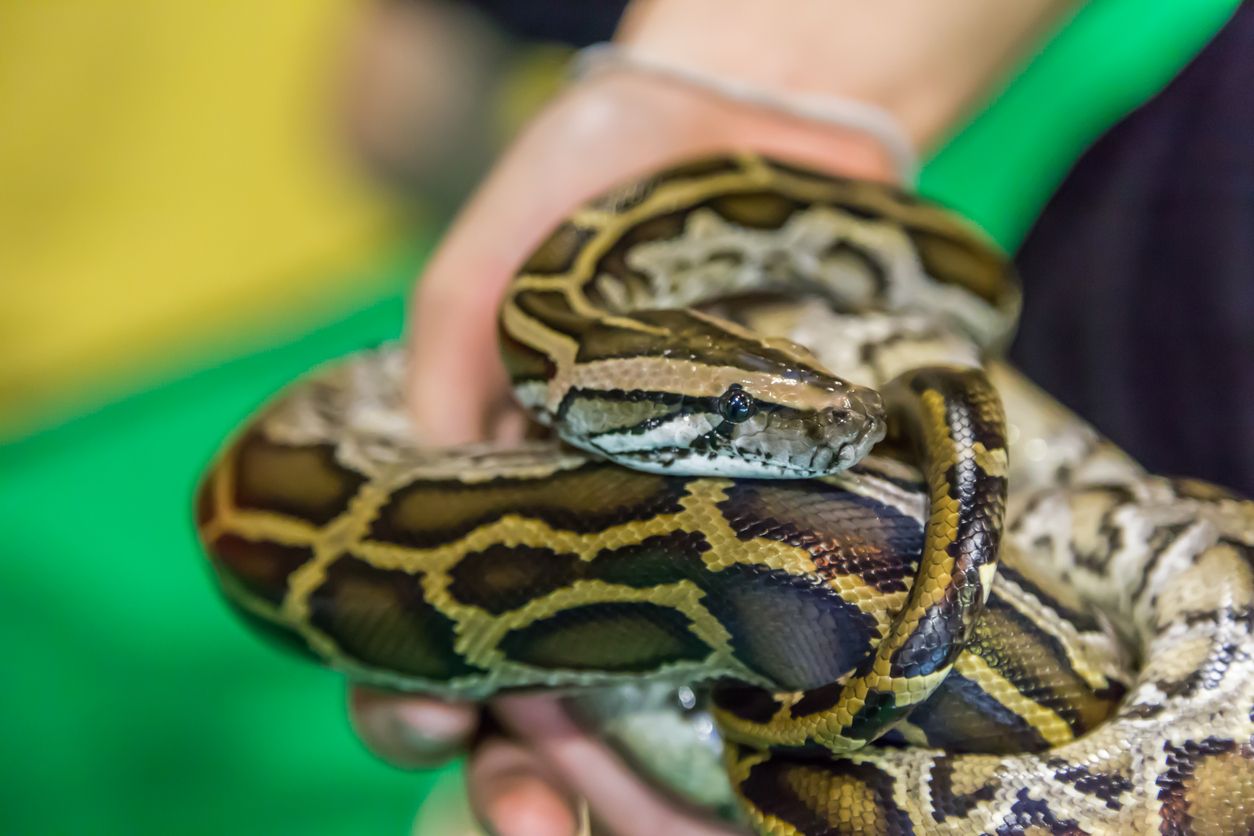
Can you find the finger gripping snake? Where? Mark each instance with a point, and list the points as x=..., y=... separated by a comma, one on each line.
x=707, y=513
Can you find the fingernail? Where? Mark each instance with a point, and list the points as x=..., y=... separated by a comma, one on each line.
x=400, y=744
x=583, y=814
x=410, y=735
x=422, y=746
x=522, y=804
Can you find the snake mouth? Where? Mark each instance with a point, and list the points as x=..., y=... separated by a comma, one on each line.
x=778, y=443
x=787, y=459
x=816, y=444
x=826, y=459
x=823, y=460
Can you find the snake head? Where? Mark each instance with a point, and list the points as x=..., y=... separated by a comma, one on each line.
x=685, y=393
x=745, y=425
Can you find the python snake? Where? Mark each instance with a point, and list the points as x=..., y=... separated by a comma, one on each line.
x=864, y=669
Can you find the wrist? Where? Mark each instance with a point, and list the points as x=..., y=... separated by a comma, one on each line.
x=925, y=64
x=673, y=120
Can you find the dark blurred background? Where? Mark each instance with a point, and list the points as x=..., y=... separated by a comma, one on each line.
x=198, y=202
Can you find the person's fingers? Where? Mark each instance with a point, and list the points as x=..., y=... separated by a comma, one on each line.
x=619, y=799
x=456, y=377
x=597, y=135
x=545, y=782
x=410, y=731
x=513, y=794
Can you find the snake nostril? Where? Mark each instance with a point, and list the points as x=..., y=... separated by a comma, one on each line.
x=874, y=429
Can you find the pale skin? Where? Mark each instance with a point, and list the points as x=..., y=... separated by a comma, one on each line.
x=928, y=64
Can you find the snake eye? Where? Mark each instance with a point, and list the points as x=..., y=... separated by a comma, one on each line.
x=737, y=405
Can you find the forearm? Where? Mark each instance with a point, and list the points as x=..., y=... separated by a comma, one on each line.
x=926, y=63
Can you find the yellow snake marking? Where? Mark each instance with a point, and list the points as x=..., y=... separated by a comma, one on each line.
x=940, y=532
x=478, y=637
x=664, y=374
x=579, y=303
x=738, y=771
x=1045, y=618
x=824, y=729
x=728, y=549
x=787, y=347
x=994, y=462
x=1052, y=727
x=698, y=512
x=334, y=539
x=260, y=526
x=987, y=574
x=560, y=349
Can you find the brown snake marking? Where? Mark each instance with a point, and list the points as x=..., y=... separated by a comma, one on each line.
x=472, y=571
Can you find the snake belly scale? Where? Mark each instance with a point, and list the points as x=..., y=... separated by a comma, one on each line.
x=865, y=669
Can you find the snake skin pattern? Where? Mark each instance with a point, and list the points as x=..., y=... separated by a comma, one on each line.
x=866, y=673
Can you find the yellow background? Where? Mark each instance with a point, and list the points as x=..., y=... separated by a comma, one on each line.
x=166, y=167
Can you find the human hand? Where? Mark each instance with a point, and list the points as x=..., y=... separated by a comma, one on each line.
x=536, y=773
x=542, y=771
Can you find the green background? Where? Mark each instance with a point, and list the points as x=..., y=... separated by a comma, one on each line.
x=133, y=703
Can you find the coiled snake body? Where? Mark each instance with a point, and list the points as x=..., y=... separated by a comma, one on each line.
x=865, y=671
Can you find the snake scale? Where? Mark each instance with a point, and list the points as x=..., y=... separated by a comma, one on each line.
x=889, y=640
